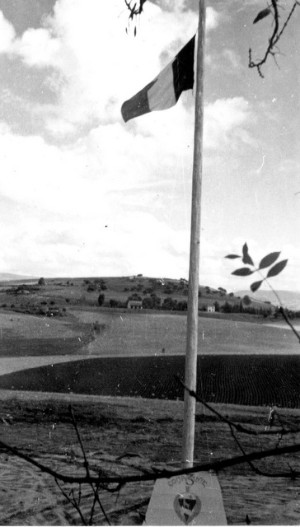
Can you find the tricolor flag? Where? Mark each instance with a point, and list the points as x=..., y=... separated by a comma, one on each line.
x=165, y=90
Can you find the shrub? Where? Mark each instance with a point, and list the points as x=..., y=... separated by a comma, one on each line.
x=101, y=299
x=246, y=300
x=182, y=306
x=217, y=307
x=169, y=304
x=96, y=327
x=114, y=303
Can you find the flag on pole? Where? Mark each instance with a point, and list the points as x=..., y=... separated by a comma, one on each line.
x=165, y=90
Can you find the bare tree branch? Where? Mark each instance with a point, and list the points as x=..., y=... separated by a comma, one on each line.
x=86, y=464
x=258, y=471
x=274, y=38
x=135, y=8
x=160, y=474
x=72, y=500
x=286, y=318
x=250, y=431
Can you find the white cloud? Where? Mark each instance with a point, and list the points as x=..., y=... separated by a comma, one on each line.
x=115, y=198
x=37, y=48
x=97, y=59
x=7, y=35
x=226, y=122
x=212, y=18
x=233, y=58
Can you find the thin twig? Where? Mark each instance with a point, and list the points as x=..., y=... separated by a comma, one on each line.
x=238, y=427
x=286, y=318
x=73, y=501
x=275, y=37
x=251, y=465
x=86, y=463
x=87, y=468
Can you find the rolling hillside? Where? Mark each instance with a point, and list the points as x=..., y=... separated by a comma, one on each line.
x=56, y=295
x=290, y=299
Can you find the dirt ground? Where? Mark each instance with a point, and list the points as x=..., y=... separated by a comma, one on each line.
x=129, y=436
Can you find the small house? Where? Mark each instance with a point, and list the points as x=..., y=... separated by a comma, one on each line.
x=135, y=304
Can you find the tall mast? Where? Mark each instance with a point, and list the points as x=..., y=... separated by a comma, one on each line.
x=192, y=316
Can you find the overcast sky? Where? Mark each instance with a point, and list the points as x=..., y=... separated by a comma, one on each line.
x=84, y=194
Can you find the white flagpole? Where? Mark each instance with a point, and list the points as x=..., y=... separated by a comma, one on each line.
x=192, y=316
x=167, y=505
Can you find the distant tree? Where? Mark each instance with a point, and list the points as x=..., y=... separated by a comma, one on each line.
x=247, y=300
x=227, y=308
x=114, y=303
x=169, y=303
x=42, y=281
x=148, y=290
x=101, y=299
x=182, y=305
x=135, y=296
x=217, y=306
x=148, y=303
x=156, y=301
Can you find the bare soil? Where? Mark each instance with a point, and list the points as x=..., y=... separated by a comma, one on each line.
x=122, y=435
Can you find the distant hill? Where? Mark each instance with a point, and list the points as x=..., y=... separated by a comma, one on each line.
x=5, y=277
x=290, y=299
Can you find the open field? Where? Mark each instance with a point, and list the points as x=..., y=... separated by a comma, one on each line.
x=125, y=333
x=139, y=354
x=15, y=325
x=148, y=433
x=148, y=333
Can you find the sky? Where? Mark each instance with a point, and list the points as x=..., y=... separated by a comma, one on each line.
x=84, y=194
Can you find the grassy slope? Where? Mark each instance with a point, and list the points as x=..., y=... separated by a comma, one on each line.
x=145, y=333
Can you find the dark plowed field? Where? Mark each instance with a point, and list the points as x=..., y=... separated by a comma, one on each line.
x=245, y=379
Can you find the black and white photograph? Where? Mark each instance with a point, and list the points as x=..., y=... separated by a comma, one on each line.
x=150, y=262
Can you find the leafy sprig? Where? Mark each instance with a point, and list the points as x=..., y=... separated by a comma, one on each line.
x=266, y=262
